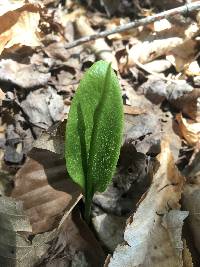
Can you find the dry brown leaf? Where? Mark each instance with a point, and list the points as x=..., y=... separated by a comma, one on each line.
x=99, y=46
x=153, y=237
x=189, y=129
x=74, y=245
x=13, y=244
x=187, y=102
x=191, y=199
x=46, y=192
x=19, y=25
x=15, y=248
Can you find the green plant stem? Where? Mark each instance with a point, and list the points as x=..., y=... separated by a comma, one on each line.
x=88, y=203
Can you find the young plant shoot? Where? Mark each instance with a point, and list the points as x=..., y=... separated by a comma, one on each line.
x=94, y=131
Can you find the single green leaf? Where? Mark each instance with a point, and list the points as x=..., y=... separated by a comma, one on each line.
x=94, y=129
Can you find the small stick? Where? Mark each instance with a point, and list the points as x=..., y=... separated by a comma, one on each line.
x=165, y=14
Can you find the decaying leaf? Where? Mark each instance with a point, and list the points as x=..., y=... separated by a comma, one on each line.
x=153, y=235
x=15, y=247
x=43, y=107
x=18, y=24
x=190, y=130
x=23, y=75
x=46, y=192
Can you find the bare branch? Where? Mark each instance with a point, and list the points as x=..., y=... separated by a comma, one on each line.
x=184, y=10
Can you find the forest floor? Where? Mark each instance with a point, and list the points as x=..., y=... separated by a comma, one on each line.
x=150, y=213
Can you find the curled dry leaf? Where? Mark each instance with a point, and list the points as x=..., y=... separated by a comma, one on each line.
x=173, y=41
x=18, y=24
x=190, y=130
x=99, y=46
x=153, y=235
x=46, y=192
x=146, y=51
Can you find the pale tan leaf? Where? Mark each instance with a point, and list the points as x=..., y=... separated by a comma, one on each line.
x=154, y=234
x=19, y=25
x=189, y=129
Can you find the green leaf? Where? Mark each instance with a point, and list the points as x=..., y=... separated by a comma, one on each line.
x=94, y=129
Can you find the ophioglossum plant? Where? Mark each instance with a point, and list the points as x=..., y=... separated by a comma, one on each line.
x=94, y=131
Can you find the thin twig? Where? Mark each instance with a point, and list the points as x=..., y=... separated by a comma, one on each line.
x=165, y=14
